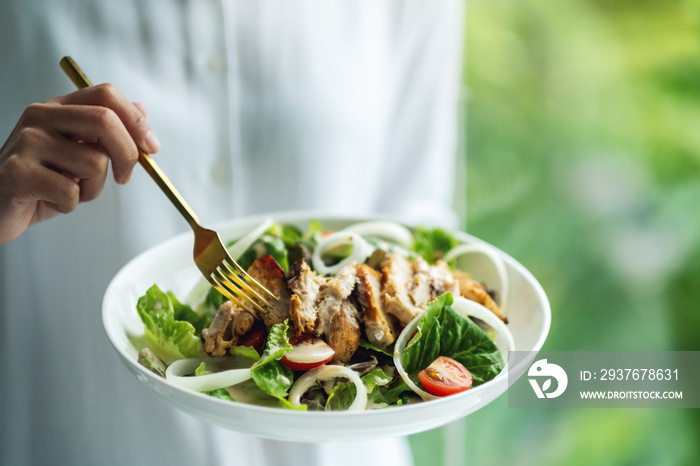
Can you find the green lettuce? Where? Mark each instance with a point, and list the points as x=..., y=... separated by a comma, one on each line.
x=173, y=327
x=269, y=243
x=212, y=301
x=396, y=393
x=284, y=242
x=269, y=374
x=445, y=332
x=433, y=243
x=343, y=394
x=341, y=397
x=369, y=346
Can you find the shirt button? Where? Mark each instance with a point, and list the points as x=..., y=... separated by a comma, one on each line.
x=215, y=64
x=220, y=172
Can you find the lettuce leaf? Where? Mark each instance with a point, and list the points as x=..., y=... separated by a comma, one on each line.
x=341, y=397
x=394, y=394
x=212, y=301
x=269, y=374
x=172, y=326
x=433, y=243
x=369, y=346
x=186, y=313
x=269, y=243
x=445, y=332
x=343, y=394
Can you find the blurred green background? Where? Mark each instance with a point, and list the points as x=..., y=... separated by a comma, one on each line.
x=582, y=140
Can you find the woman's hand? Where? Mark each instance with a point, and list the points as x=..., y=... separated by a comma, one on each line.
x=59, y=153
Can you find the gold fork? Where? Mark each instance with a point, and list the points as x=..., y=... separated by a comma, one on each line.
x=210, y=254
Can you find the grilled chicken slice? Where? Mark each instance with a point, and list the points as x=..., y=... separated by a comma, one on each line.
x=420, y=288
x=230, y=323
x=266, y=271
x=337, y=316
x=474, y=290
x=397, y=274
x=341, y=285
x=430, y=281
x=443, y=279
x=305, y=285
x=377, y=323
x=332, y=293
x=343, y=331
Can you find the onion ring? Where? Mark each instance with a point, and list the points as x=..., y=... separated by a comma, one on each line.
x=495, y=258
x=237, y=249
x=361, y=250
x=390, y=231
x=328, y=372
x=177, y=373
x=467, y=308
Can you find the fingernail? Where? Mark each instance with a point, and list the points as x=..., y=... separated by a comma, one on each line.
x=152, y=142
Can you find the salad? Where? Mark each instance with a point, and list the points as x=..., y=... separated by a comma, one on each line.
x=371, y=316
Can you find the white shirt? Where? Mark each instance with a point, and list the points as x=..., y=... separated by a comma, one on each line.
x=344, y=106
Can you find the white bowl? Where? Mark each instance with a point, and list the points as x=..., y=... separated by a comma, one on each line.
x=170, y=265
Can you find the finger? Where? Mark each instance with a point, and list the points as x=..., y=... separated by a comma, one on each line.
x=81, y=161
x=84, y=163
x=141, y=108
x=144, y=111
x=61, y=192
x=107, y=95
x=44, y=185
x=93, y=124
x=90, y=170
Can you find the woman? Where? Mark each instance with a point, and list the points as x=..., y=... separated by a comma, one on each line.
x=349, y=107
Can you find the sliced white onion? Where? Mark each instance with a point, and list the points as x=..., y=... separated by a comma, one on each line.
x=180, y=373
x=361, y=250
x=467, y=308
x=236, y=250
x=493, y=255
x=329, y=372
x=389, y=231
x=399, y=346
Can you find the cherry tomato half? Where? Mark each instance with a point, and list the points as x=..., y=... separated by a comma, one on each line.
x=307, y=354
x=445, y=376
x=255, y=338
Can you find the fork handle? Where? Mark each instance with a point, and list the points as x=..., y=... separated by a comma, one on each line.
x=168, y=189
x=80, y=80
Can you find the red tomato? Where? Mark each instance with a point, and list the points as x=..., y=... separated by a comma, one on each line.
x=255, y=338
x=308, y=354
x=445, y=376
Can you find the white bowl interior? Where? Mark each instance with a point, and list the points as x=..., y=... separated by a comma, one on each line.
x=170, y=265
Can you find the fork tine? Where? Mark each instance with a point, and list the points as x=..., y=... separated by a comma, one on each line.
x=224, y=280
x=248, y=283
x=240, y=283
x=246, y=279
x=224, y=291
